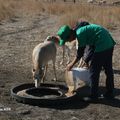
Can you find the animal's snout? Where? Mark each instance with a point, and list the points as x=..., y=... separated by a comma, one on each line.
x=37, y=74
x=36, y=83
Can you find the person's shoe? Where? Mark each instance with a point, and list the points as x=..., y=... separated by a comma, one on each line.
x=108, y=95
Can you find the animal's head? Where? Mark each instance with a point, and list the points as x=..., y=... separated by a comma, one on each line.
x=37, y=74
x=54, y=39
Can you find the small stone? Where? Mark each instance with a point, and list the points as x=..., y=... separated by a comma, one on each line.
x=24, y=112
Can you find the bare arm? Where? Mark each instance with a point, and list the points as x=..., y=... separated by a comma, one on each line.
x=80, y=53
x=69, y=66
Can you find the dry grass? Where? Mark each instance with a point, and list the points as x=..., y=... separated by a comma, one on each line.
x=107, y=16
x=6, y=9
x=69, y=13
x=11, y=8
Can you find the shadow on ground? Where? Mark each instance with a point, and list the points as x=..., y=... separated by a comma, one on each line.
x=76, y=101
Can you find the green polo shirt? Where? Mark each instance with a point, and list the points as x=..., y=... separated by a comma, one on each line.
x=94, y=35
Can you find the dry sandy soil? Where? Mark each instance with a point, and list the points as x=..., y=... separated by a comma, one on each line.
x=18, y=36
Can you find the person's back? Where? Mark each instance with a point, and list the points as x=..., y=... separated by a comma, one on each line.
x=95, y=35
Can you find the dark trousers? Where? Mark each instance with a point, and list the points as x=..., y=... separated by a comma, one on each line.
x=99, y=60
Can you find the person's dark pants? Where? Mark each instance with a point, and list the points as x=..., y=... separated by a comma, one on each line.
x=99, y=60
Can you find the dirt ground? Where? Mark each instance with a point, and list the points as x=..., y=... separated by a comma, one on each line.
x=18, y=37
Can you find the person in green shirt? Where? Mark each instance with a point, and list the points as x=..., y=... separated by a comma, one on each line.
x=103, y=43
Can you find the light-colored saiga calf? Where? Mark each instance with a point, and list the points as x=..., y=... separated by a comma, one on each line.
x=42, y=54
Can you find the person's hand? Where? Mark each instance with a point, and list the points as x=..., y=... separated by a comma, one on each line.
x=69, y=67
x=83, y=64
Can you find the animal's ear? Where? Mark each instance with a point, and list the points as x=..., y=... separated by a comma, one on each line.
x=48, y=38
x=33, y=70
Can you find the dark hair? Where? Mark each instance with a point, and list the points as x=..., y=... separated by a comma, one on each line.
x=80, y=24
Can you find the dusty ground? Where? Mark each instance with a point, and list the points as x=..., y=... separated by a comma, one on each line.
x=18, y=37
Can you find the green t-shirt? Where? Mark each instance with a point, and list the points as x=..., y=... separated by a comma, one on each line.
x=96, y=36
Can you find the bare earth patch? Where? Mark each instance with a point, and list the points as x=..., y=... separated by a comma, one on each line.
x=18, y=37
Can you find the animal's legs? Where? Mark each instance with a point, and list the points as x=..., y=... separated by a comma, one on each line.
x=63, y=56
x=45, y=71
x=68, y=54
x=55, y=79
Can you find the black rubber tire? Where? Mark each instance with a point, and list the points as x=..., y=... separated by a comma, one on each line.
x=61, y=99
